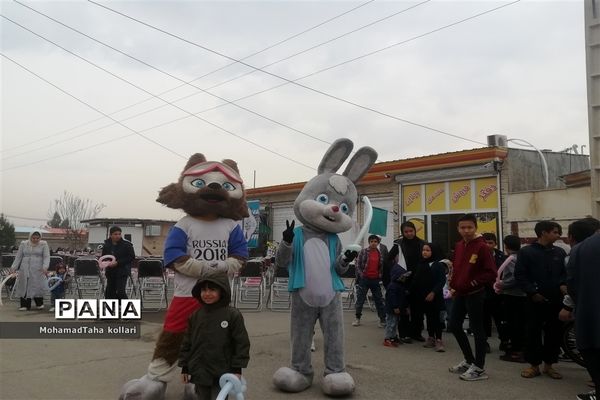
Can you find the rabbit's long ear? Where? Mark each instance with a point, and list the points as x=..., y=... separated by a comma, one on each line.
x=335, y=156
x=358, y=166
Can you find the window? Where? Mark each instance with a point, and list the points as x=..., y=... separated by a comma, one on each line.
x=152, y=230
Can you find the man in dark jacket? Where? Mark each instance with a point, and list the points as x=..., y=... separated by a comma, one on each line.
x=216, y=341
x=540, y=272
x=584, y=287
x=119, y=270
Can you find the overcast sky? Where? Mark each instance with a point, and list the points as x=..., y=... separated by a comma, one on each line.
x=517, y=71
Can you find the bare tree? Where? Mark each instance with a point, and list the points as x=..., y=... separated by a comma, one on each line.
x=71, y=210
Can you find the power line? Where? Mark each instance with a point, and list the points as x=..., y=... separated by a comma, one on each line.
x=222, y=83
x=319, y=44
x=25, y=218
x=88, y=105
x=303, y=77
x=144, y=90
x=195, y=79
x=123, y=137
x=154, y=96
x=295, y=81
x=328, y=68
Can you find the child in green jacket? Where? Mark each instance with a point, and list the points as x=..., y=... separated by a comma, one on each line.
x=216, y=341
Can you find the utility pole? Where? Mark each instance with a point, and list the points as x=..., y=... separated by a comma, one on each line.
x=592, y=55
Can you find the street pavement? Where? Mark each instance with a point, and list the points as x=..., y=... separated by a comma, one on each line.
x=95, y=369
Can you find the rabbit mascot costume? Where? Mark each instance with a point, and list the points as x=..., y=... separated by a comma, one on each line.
x=314, y=258
x=213, y=197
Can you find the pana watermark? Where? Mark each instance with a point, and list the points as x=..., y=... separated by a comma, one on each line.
x=127, y=309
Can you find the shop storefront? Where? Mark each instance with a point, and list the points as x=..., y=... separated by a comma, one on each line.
x=434, y=207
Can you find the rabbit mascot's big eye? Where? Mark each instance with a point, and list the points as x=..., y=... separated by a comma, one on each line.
x=312, y=254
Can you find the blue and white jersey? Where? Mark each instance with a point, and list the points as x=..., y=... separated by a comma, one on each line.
x=210, y=241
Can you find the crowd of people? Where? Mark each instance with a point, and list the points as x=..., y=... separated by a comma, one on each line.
x=527, y=292
x=32, y=261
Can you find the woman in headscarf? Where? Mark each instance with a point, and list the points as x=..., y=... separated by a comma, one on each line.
x=32, y=261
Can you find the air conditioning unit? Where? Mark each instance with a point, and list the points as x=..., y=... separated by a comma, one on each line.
x=497, y=141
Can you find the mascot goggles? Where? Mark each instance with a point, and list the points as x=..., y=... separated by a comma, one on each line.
x=206, y=167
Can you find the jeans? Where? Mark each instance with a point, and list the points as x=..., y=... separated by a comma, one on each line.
x=544, y=331
x=471, y=304
x=391, y=325
x=362, y=288
x=591, y=357
x=514, y=311
x=115, y=287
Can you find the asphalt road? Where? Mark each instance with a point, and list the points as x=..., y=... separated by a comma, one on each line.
x=95, y=369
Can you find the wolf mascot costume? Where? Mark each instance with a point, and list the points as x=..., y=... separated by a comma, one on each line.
x=212, y=195
x=313, y=256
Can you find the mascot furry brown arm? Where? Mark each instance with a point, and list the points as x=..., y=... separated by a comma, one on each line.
x=213, y=197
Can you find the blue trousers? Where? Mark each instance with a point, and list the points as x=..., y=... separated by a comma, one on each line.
x=362, y=288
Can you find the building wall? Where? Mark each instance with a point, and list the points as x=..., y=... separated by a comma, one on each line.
x=154, y=245
x=564, y=206
x=526, y=172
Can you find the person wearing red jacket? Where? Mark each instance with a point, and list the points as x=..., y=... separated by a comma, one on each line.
x=474, y=268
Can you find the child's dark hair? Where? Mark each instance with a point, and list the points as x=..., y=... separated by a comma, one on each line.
x=546, y=226
x=210, y=285
x=490, y=236
x=469, y=218
x=60, y=266
x=583, y=228
x=407, y=224
x=437, y=253
x=512, y=242
x=374, y=237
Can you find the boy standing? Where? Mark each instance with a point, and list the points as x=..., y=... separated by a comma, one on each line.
x=540, y=272
x=216, y=341
x=369, y=270
x=473, y=269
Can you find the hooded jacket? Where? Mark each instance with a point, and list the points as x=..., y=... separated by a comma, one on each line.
x=395, y=293
x=216, y=341
x=430, y=277
x=473, y=267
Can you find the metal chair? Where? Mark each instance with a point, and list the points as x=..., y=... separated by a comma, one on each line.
x=349, y=293
x=88, y=278
x=279, y=296
x=152, y=285
x=249, y=287
x=6, y=262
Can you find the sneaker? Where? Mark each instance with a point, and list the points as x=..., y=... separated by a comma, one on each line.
x=418, y=338
x=406, y=339
x=40, y=307
x=381, y=324
x=460, y=368
x=356, y=322
x=390, y=343
x=439, y=346
x=51, y=309
x=429, y=343
x=474, y=373
x=23, y=308
x=587, y=396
